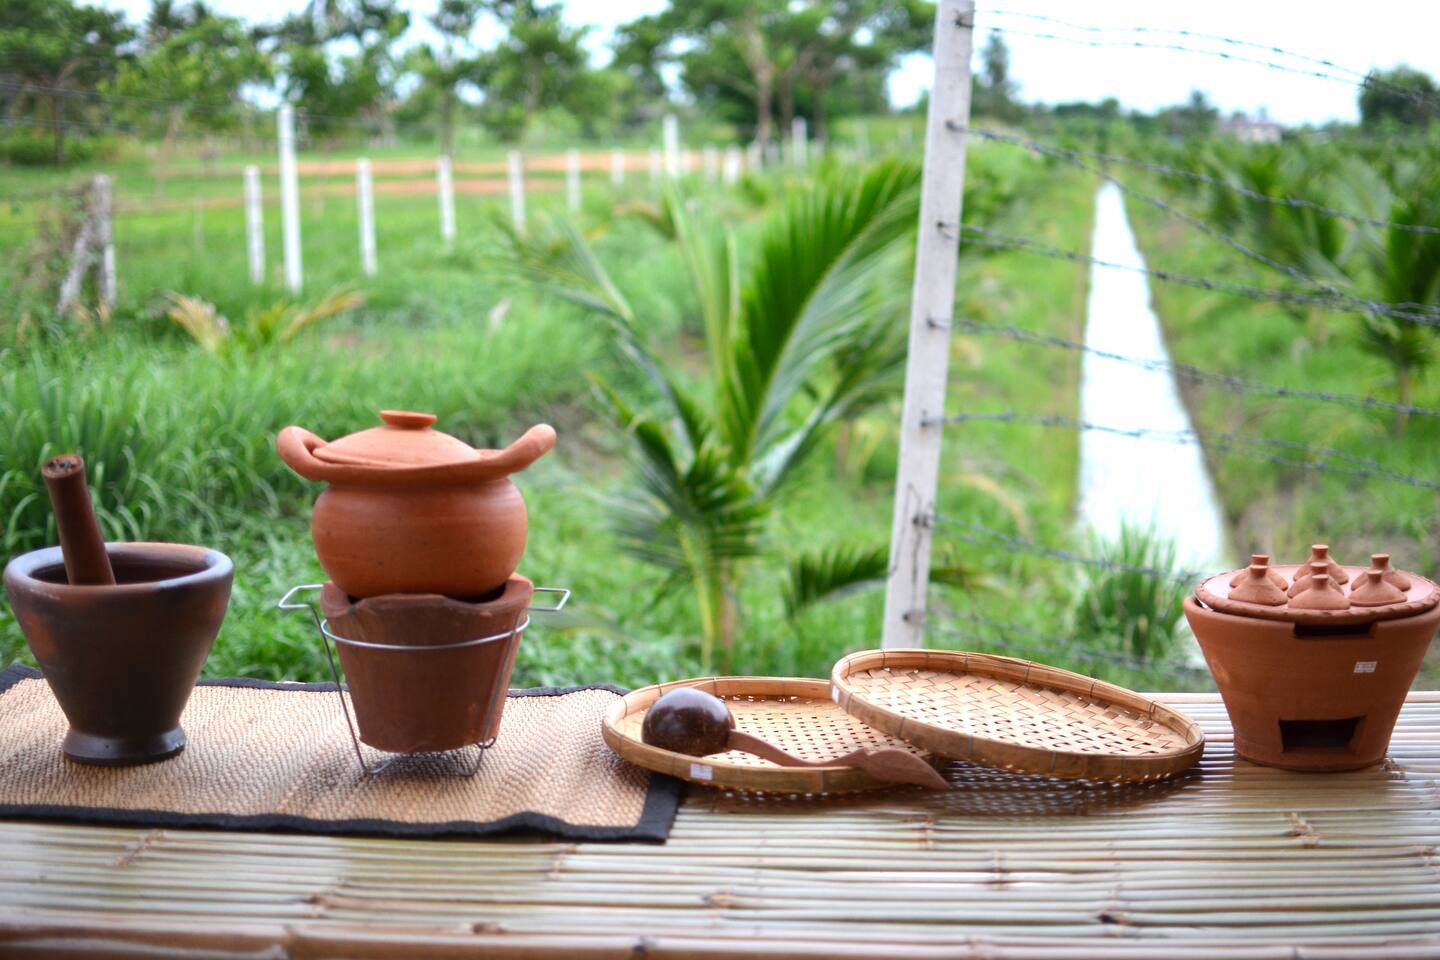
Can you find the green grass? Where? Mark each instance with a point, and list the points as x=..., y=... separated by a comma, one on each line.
x=180, y=441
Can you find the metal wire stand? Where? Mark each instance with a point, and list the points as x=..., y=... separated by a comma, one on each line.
x=322, y=626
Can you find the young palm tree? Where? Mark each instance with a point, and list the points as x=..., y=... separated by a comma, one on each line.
x=807, y=332
x=1405, y=268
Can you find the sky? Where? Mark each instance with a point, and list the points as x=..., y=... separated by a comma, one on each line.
x=1353, y=37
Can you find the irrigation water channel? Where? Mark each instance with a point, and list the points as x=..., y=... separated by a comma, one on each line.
x=1146, y=482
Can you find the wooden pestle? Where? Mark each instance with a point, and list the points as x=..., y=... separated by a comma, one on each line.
x=82, y=546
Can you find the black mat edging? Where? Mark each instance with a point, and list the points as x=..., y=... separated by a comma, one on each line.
x=662, y=797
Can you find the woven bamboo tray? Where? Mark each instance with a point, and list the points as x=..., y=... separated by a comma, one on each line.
x=1016, y=715
x=794, y=714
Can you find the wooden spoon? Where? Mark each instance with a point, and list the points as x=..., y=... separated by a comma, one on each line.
x=697, y=724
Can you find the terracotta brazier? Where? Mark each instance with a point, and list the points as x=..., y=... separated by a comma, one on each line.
x=411, y=510
x=421, y=672
x=123, y=658
x=1314, y=674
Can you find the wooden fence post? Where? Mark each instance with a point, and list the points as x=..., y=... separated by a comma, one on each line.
x=365, y=204
x=289, y=199
x=517, y=189
x=254, y=224
x=572, y=180
x=732, y=165
x=446, y=184
x=932, y=300
x=617, y=167
x=671, y=137
x=105, y=239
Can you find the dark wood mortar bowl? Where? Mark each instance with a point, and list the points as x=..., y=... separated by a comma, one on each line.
x=122, y=659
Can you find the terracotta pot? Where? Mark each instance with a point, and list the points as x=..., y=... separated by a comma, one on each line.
x=122, y=659
x=411, y=510
x=419, y=693
x=1312, y=685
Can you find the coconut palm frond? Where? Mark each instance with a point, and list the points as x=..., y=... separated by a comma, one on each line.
x=333, y=304
x=836, y=572
x=813, y=283
x=205, y=325
x=554, y=258
x=832, y=573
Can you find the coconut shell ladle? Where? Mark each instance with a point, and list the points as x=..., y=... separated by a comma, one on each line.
x=697, y=724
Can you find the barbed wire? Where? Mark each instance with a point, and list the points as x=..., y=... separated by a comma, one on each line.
x=1051, y=645
x=1176, y=32
x=1220, y=54
x=983, y=536
x=1236, y=244
x=998, y=136
x=999, y=240
x=1191, y=373
x=1227, y=443
x=1357, y=77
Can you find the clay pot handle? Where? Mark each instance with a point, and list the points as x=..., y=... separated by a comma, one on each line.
x=534, y=444
x=296, y=446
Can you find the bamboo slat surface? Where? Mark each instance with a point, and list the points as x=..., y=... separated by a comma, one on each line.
x=1231, y=860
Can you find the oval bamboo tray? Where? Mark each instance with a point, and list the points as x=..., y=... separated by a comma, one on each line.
x=794, y=714
x=1016, y=715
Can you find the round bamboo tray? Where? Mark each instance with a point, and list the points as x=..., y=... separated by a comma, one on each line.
x=1016, y=715
x=794, y=714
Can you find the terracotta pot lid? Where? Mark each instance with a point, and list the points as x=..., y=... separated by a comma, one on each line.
x=1320, y=591
x=406, y=440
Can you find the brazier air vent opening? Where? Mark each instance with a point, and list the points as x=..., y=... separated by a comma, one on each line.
x=1300, y=735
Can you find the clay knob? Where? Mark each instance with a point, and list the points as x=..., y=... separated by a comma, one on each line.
x=1372, y=590
x=1320, y=593
x=1320, y=562
x=1320, y=553
x=1260, y=560
x=688, y=721
x=408, y=420
x=1257, y=587
x=1396, y=579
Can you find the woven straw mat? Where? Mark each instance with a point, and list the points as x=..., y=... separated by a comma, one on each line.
x=279, y=756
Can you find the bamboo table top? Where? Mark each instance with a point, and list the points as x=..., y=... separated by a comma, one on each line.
x=1234, y=860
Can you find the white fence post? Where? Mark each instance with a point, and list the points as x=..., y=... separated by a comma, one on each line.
x=799, y=141
x=732, y=165
x=754, y=156
x=517, y=189
x=933, y=300
x=671, y=137
x=365, y=204
x=617, y=168
x=105, y=239
x=446, y=184
x=572, y=180
x=654, y=168
x=711, y=162
x=254, y=224
x=289, y=199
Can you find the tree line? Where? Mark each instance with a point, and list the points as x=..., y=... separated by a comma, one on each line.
x=186, y=69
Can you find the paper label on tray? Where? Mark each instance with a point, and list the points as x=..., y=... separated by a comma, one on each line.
x=1365, y=666
x=701, y=771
